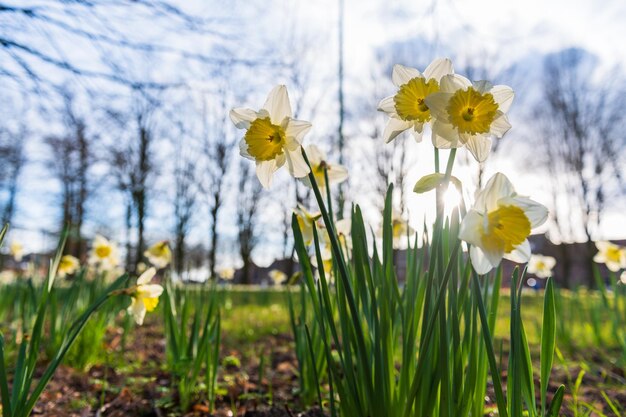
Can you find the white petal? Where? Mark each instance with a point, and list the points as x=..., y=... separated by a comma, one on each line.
x=296, y=163
x=264, y=171
x=471, y=226
x=537, y=213
x=138, y=310
x=417, y=131
x=497, y=187
x=549, y=261
x=151, y=290
x=438, y=68
x=315, y=155
x=242, y=117
x=394, y=128
x=482, y=86
x=277, y=104
x=500, y=126
x=445, y=136
x=388, y=105
x=480, y=261
x=243, y=150
x=452, y=82
x=147, y=276
x=297, y=129
x=479, y=146
x=337, y=174
x=402, y=75
x=503, y=95
x=521, y=254
x=438, y=105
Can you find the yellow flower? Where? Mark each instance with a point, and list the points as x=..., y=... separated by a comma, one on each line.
x=306, y=221
x=277, y=277
x=145, y=296
x=408, y=109
x=17, y=250
x=68, y=265
x=104, y=254
x=272, y=137
x=541, y=266
x=610, y=254
x=336, y=173
x=468, y=114
x=226, y=274
x=499, y=224
x=159, y=254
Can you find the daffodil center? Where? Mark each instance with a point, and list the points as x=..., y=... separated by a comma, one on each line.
x=410, y=104
x=505, y=228
x=471, y=111
x=613, y=254
x=265, y=140
x=150, y=303
x=540, y=265
x=103, y=251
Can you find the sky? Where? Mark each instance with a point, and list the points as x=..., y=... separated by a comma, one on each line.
x=494, y=33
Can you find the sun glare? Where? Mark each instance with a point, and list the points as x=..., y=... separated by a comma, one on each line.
x=451, y=199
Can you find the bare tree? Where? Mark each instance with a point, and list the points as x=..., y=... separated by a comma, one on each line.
x=72, y=158
x=184, y=203
x=12, y=160
x=580, y=125
x=248, y=205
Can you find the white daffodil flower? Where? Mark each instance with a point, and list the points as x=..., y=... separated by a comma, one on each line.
x=272, y=137
x=499, y=224
x=226, y=273
x=336, y=173
x=159, y=254
x=68, y=265
x=468, y=114
x=306, y=221
x=277, y=277
x=104, y=254
x=610, y=254
x=17, y=250
x=145, y=296
x=541, y=265
x=407, y=108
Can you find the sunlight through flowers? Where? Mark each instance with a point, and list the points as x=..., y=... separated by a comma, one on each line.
x=145, y=296
x=408, y=109
x=272, y=137
x=499, y=224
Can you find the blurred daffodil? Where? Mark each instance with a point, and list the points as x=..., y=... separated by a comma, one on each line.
x=336, y=173
x=68, y=265
x=499, y=224
x=159, y=254
x=227, y=274
x=145, y=296
x=407, y=108
x=272, y=137
x=277, y=277
x=17, y=250
x=541, y=265
x=104, y=254
x=468, y=114
x=306, y=221
x=612, y=255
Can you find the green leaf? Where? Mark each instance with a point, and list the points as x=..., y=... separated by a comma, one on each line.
x=557, y=400
x=548, y=340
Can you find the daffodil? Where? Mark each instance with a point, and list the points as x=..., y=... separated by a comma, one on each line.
x=499, y=224
x=469, y=114
x=541, y=266
x=407, y=108
x=17, y=250
x=159, y=254
x=104, y=254
x=227, y=274
x=306, y=221
x=400, y=230
x=145, y=296
x=272, y=137
x=622, y=278
x=277, y=277
x=319, y=164
x=610, y=254
x=68, y=265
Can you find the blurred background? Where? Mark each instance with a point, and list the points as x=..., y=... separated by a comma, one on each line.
x=114, y=118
